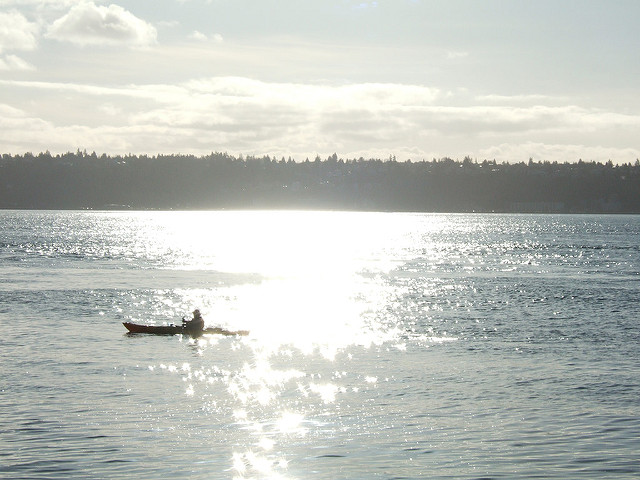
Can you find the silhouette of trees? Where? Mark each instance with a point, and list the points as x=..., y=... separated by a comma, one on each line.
x=84, y=180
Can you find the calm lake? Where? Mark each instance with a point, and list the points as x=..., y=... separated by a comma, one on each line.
x=382, y=345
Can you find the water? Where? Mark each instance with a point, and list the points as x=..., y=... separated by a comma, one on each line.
x=382, y=346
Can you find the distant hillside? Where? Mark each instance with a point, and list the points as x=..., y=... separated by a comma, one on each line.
x=220, y=181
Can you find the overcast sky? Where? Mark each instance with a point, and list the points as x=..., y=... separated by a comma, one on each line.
x=492, y=79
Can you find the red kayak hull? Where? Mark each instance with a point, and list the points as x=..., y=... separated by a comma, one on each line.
x=178, y=329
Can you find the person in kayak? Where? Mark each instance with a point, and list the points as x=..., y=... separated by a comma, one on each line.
x=196, y=324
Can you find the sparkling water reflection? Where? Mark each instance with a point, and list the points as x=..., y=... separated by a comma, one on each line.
x=381, y=346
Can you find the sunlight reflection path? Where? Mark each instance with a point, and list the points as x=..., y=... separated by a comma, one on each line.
x=321, y=294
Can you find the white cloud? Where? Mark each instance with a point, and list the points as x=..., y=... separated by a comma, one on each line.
x=110, y=109
x=521, y=152
x=196, y=35
x=21, y=132
x=506, y=99
x=364, y=5
x=16, y=32
x=13, y=62
x=201, y=37
x=148, y=91
x=7, y=111
x=90, y=24
x=242, y=115
x=168, y=23
x=39, y=3
x=452, y=55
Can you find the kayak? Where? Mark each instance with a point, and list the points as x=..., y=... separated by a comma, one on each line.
x=179, y=329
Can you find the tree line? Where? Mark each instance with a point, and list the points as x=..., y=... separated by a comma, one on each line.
x=221, y=181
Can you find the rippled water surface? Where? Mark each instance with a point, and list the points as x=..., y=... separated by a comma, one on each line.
x=382, y=346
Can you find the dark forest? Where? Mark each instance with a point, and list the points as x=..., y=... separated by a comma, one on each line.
x=220, y=181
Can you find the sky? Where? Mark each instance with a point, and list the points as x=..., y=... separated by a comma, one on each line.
x=504, y=80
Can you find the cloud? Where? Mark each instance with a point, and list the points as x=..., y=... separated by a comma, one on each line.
x=506, y=99
x=168, y=23
x=12, y=62
x=452, y=55
x=196, y=35
x=559, y=152
x=89, y=24
x=243, y=115
x=201, y=37
x=21, y=132
x=39, y=3
x=89, y=90
x=16, y=32
x=364, y=5
x=110, y=110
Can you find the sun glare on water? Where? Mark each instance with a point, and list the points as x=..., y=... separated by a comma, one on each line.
x=312, y=275
x=309, y=287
